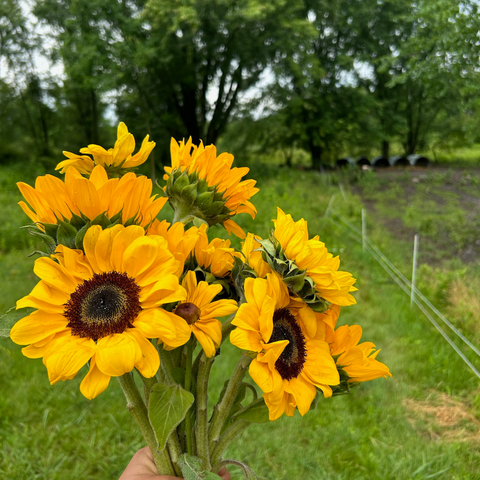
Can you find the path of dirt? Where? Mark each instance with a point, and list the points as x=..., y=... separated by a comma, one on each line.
x=460, y=182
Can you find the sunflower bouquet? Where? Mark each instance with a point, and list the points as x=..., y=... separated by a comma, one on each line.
x=123, y=294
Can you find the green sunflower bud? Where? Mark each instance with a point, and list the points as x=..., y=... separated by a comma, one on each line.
x=194, y=200
x=296, y=280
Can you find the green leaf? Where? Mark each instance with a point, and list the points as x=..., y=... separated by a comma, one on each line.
x=9, y=319
x=47, y=240
x=257, y=413
x=81, y=235
x=66, y=234
x=191, y=468
x=167, y=407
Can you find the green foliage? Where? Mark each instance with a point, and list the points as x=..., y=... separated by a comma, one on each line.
x=167, y=407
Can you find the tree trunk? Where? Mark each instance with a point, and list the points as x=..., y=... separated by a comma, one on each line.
x=385, y=148
x=93, y=98
x=316, y=152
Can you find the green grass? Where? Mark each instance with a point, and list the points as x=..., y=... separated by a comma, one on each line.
x=55, y=433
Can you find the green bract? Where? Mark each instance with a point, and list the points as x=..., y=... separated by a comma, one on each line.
x=194, y=200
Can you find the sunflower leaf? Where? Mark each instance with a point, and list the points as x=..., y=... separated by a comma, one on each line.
x=256, y=412
x=167, y=407
x=66, y=234
x=191, y=468
x=11, y=317
x=47, y=240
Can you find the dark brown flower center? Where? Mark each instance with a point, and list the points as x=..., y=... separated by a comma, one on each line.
x=290, y=363
x=105, y=304
x=189, y=312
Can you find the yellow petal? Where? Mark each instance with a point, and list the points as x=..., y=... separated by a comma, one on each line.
x=37, y=326
x=121, y=242
x=261, y=375
x=54, y=275
x=116, y=354
x=94, y=382
x=150, y=361
x=103, y=247
x=205, y=341
x=64, y=362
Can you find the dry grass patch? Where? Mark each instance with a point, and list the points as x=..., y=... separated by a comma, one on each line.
x=443, y=418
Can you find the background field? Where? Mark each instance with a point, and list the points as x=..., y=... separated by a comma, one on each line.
x=420, y=424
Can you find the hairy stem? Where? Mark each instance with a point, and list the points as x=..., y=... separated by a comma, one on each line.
x=201, y=425
x=166, y=366
x=137, y=408
x=148, y=384
x=175, y=450
x=223, y=407
x=228, y=436
x=188, y=386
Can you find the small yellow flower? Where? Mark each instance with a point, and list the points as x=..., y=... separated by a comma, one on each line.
x=216, y=256
x=225, y=193
x=357, y=360
x=292, y=357
x=53, y=199
x=201, y=315
x=312, y=255
x=103, y=306
x=181, y=242
x=114, y=159
x=253, y=255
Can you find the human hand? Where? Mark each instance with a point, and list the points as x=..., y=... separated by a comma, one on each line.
x=142, y=467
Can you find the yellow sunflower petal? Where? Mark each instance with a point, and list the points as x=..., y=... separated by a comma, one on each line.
x=150, y=362
x=117, y=354
x=64, y=362
x=94, y=382
x=205, y=341
x=37, y=326
x=261, y=375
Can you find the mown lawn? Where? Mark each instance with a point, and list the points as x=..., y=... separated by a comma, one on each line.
x=420, y=424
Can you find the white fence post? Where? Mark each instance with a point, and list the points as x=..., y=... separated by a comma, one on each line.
x=414, y=269
x=330, y=204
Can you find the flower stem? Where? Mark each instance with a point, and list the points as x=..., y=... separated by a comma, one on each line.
x=201, y=425
x=223, y=407
x=228, y=436
x=166, y=365
x=188, y=386
x=175, y=451
x=148, y=384
x=139, y=412
x=182, y=215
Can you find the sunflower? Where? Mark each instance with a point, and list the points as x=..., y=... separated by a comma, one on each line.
x=102, y=307
x=201, y=315
x=114, y=159
x=180, y=241
x=292, y=360
x=357, y=360
x=251, y=249
x=220, y=191
x=216, y=256
x=311, y=257
x=53, y=200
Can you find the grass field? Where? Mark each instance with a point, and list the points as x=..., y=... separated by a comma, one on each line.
x=420, y=424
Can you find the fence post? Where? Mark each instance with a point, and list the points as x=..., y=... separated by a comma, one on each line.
x=364, y=229
x=330, y=203
x=414, y=269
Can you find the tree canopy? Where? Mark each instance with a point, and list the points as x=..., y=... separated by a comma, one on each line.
x=327, y=77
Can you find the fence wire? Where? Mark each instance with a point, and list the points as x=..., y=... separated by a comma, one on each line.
x=406, y=286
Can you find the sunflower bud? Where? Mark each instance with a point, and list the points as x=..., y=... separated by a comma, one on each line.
x=296, y=279
x=189, y=312
x=193, y=199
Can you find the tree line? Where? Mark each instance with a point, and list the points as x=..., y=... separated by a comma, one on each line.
x=327, y=77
